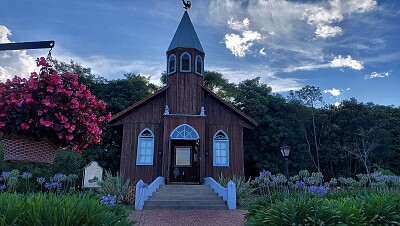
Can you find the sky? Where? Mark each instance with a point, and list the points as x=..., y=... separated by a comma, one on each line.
x=348, y=48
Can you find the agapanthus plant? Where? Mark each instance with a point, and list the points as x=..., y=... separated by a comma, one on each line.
x=53, y=106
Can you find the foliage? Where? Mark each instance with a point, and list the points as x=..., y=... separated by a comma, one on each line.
x=51, y=209
x=53, y=106
x=115, y=186
x=341, y=209
x=67, y=162
x=243, y=187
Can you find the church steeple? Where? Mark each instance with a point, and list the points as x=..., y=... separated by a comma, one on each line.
x=185, y=36
x=185, y=70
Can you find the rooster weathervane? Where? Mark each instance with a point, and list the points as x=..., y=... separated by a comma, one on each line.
x=186, y=5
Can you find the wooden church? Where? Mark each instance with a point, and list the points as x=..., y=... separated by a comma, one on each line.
x=183, y=132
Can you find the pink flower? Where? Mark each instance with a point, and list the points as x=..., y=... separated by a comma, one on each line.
x=24, y=126
x=3, y=115
x=50, y=89
x=41, y=62
x=45, y=122
x=39, y=112
x=75, y=103
x=72, y=128
x=2, y=124
x=69, y=137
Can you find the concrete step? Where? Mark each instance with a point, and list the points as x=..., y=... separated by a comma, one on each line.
x=185, y=197
x=207, y=207
x=174, y=197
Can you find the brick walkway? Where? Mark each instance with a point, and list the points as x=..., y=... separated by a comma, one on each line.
x=189, y=217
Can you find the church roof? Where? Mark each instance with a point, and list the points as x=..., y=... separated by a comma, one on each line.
x=185, y=36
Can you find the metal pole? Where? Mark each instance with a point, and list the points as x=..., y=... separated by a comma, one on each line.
x=27, y=45
x=287, y=167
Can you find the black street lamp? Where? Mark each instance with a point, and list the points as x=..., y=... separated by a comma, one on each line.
x=285, y=150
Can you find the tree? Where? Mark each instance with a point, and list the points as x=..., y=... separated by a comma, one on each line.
x=310, y=96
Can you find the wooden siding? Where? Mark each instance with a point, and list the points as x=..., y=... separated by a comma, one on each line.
x=149, y=115
x=217, y=113
x=236, y=157
x=184, y=95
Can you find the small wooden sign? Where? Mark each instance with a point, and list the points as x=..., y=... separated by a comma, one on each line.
x=92, y=175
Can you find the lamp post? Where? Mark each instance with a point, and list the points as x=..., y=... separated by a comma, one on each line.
x=285, y=150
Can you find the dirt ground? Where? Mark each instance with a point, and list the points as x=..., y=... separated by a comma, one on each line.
x=189, y=217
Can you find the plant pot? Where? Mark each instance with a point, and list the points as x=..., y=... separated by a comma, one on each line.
x=26, y=149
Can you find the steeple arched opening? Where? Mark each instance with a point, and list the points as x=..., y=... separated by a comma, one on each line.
x=186, y=62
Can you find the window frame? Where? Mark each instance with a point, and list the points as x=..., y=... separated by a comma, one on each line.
x=190, y=62
x=201, y=67
x=139, y=154
x=169, y=64
x=226, y=141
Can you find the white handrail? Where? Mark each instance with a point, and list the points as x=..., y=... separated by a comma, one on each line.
x=144, y=191
x=228, y=194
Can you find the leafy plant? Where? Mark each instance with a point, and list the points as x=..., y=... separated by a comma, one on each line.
x=52, y=106
x=115, y=186
x=51, y=209
x=243, y=187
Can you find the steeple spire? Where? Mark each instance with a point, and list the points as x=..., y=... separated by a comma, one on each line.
x=185, y=36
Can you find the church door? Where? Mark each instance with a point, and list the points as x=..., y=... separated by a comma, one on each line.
x=185, y=165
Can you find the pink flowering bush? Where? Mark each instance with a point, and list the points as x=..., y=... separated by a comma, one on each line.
x=53, y=106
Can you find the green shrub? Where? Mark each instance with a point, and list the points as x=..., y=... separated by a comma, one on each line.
x=115, y=185
x=243, y=187
x=51, y=209
x=339, y=209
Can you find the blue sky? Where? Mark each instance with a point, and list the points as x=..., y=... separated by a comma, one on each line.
x=348, y=48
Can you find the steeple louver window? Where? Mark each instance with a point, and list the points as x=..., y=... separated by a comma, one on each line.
x=199, y=65
x=172, y=64
x=185, y=63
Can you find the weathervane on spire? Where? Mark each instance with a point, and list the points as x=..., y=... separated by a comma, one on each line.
x=186, y=5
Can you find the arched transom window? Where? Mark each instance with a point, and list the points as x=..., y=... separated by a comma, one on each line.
x=199, y=65
x=220, y=149
x=184, y=132
x=172, y=64
x=185, y=62
x=145, y=148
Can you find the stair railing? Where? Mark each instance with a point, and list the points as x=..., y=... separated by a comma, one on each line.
x=144, y=191
x=228, y=194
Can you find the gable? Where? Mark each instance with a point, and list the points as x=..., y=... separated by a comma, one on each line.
x=219, y=111
x=150, y=109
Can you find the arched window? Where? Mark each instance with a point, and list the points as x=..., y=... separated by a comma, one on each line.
x=185, y=62
x=184, y=132
x=145, y=148
x=220, y=149
x=172, y=64
x=199, y=65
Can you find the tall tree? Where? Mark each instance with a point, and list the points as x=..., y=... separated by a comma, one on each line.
x=310, y=96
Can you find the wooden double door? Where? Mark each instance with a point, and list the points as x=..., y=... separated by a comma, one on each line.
x=185, y=161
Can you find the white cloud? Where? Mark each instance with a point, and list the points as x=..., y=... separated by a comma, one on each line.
x=340, y=61
x=377, y=75
x=262, y=52
x=267, y=76
x=239, y=25
x=16, y=62
x=347, y=89
x=327, y=31
x=322, y=17
x=239, y=45
x=333, y=92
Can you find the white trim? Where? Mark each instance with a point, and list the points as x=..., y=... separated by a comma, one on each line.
x=226, y=142
x=195, y=65
x=185, y=134
x=144, y=192
x=190, y=62
x=168, y=65
x=228, y=194
x=138, y=150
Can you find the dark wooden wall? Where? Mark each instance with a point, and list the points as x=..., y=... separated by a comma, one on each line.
x=184, y=95
x=220, y=117
x=149, y=115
